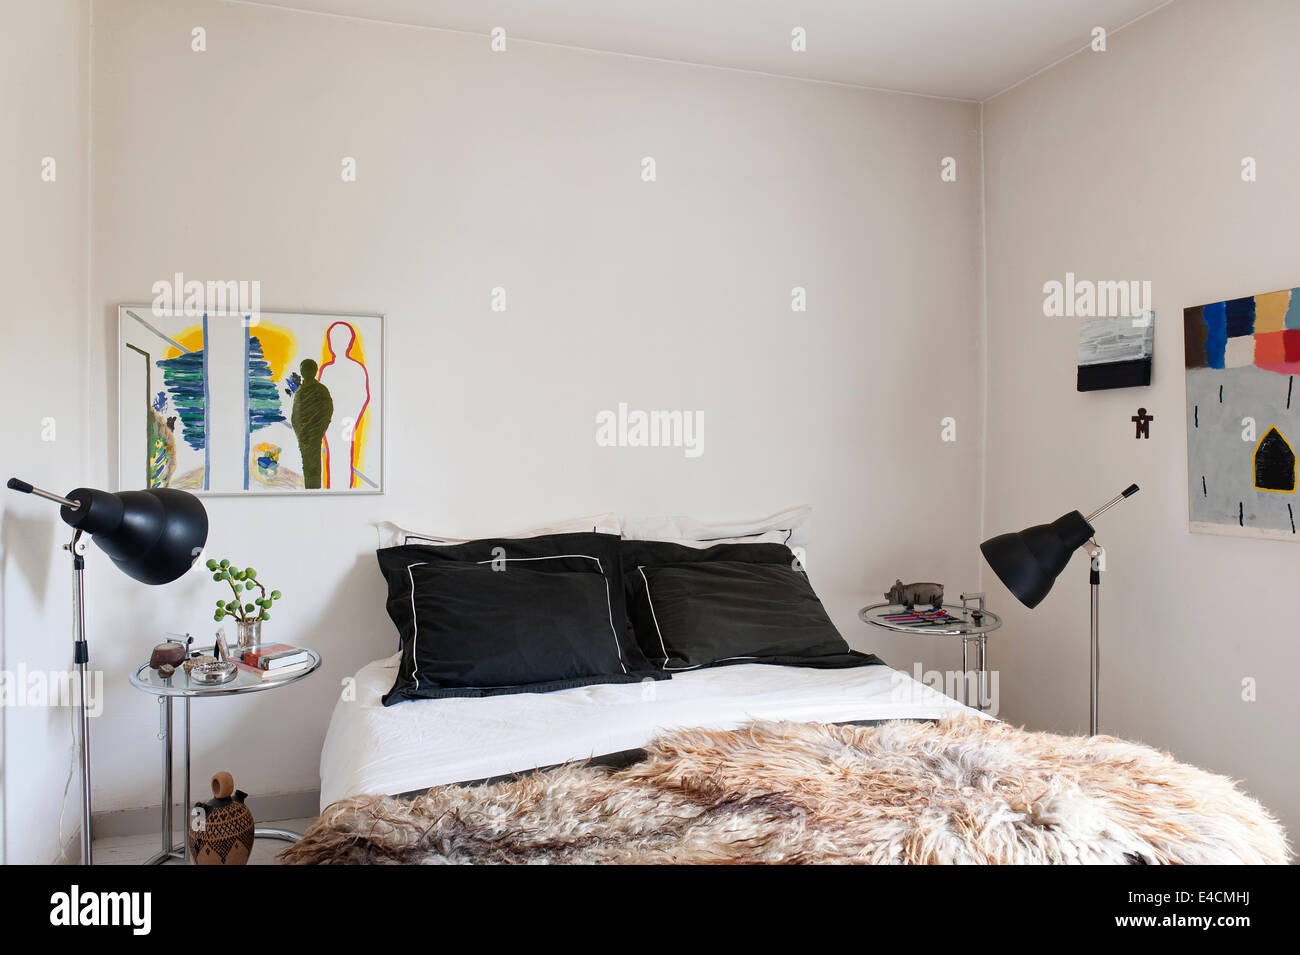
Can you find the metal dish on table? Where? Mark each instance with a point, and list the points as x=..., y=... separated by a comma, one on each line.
x=213, y=674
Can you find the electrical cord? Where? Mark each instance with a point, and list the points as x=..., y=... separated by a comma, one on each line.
x=72, y=771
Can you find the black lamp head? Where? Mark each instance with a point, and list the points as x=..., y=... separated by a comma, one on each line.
x=1029, y=561
x=153, y=535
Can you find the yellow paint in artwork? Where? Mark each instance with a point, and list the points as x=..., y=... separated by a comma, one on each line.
x=1270, y=311
x=359, y=445
x=191, y=338
x=279, y=345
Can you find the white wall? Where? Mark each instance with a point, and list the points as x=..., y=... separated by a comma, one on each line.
x=44, y=49
x=1126, y=165
x=522, y=170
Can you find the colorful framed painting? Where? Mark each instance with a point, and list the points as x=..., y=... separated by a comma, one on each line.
x=272, y=403
x=1242, y=357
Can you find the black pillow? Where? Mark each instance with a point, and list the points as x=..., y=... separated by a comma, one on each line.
x=496, y=616
x=639, y=553
x=712, y=613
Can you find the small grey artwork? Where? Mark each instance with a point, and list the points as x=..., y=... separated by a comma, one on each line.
x=1116, y=352
x=1243, y=415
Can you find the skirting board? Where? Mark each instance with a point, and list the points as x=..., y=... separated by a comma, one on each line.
x=148, y=819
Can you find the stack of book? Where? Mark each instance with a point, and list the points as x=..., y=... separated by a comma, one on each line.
x=274, y=661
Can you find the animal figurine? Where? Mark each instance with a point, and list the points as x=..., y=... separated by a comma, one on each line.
x=909, y=595
x=222, y=831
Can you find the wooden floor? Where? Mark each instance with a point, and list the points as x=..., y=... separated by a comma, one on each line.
x=133, y=850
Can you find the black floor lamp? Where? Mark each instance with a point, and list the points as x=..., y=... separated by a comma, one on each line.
x=153, y=536
x=1029, y=561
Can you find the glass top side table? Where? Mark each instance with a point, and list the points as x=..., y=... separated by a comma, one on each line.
x=970, y=623
x=179, y=685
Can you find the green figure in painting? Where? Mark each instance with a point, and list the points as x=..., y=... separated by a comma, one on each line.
x=312, y=410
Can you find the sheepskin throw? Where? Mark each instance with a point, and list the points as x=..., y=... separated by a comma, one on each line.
x=960, y=791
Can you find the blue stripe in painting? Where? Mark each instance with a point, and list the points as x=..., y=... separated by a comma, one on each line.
x=247, y=431
x=183, y=379
x=1292, y=319
x=1239, y=317
x=207, y=403
x=1216, y=338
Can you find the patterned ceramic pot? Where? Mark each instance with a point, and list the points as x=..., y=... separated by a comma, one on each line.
x=221, y=831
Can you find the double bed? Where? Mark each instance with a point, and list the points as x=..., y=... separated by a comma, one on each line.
x=595, y=693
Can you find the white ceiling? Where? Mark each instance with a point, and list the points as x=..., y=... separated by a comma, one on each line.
x=967, y=49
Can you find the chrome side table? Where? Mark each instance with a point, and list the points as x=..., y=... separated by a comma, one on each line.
x=972, y=623
x=179, y=685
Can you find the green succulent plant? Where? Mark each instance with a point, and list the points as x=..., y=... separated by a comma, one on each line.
x=241, y=582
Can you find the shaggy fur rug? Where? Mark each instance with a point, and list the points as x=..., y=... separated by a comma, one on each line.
x=960, y=791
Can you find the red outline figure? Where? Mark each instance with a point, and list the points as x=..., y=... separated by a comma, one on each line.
x=352, y=448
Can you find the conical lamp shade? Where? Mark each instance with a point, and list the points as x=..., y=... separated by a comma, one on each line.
x=154, y=536
x=1028, y=562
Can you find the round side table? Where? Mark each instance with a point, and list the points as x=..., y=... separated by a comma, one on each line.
x=970, y=623
x=179, y=685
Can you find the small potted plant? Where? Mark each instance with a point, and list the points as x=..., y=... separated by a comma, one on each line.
x=249, y=611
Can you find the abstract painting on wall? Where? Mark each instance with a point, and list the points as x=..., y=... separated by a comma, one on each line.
x=1116, y=352
x=1243, y=415
x=272, y=403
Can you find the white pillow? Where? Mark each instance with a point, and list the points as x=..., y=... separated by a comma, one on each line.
x=394, y=535
x=787, y=527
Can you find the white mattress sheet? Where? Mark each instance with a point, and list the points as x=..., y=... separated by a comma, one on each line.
x=371, y=748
